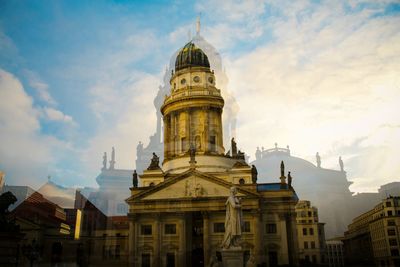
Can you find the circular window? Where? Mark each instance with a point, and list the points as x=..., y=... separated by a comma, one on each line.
x=196, y=79
x=183, y=81
x=210, y=79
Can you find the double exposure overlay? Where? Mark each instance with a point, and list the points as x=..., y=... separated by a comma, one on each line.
x=146, y=134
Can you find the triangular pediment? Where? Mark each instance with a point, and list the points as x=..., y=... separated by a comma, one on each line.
x=191, y=184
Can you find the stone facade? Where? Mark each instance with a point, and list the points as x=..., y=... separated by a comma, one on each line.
x=374, y=237
x=311, y=234
x=176, y=214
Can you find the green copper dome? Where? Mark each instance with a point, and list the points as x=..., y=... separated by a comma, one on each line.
x=191, y=56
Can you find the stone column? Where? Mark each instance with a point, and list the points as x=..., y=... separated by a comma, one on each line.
x=157, y=241
x=220, y=138
x=172, y=137
x=131, y=243
x=166, y=137
x=258, y=235
x=206, y=238
x=182, y=241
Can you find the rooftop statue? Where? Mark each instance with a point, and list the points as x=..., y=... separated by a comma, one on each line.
x=258, y=153
x=233, y=221
x=104, y=161
x=341, y=164
x=254, y=174
x=318, y=160
x=112, y=161
x=155, y=162
x=234, y=147
x=135, y=179
x=290, y=180
x=282, y=169
x=139, y=150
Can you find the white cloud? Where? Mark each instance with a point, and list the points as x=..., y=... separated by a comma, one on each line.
x=52, y=114
x=26, y=156
x=41, y=88
x=126, y=116
x=326, y=80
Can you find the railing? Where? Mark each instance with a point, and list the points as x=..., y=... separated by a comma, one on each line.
x=194, y=92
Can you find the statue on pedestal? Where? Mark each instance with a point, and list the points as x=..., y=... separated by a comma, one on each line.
x=290, y=178
x=104, y=161
x=341, y=164
x=154, y=164
x=318, y=160
x=135, y=179
x=254, y=174
x=234, y=147
x=283, y=177
x=258, y=153
x=282, y=169
x=112, y=161
x=233, y=221
x=139, y=150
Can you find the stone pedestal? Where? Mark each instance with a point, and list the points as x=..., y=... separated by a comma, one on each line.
x=232, y=257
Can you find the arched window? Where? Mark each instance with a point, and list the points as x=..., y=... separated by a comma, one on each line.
x=152, y=184
x=242, y=181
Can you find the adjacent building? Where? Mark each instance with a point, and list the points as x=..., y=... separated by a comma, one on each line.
x=311, y=234
x=335, y=252
x=373, y=237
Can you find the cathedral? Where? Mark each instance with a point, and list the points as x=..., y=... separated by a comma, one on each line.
x=177, y=207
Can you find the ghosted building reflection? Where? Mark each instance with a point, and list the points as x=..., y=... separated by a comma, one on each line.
x=327, y=189
x=231, y=108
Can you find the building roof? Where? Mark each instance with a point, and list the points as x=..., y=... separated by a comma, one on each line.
x=191, y=56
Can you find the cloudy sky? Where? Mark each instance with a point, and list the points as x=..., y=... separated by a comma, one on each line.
x=77, y=78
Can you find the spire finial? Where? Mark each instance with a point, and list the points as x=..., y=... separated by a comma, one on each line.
x=198, y=24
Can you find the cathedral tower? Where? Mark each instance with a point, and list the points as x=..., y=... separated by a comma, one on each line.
x=192, y=112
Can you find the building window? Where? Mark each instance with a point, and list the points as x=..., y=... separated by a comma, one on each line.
x=390, y=213
x=394, y=252
x=391, y=232
x=312, y=244
x=170, y=260
x=146, y=260
x=393, y=242
x=271, y=228
x=391, y=223
x=246, y=227
x=152, y=184
x=219, y=227
x=241, y=181
x=309, y=214
x=304, y=231
x=388, y=204
x=146, y=229
x=170, y=229
x=311, y=231
x=305, y=245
